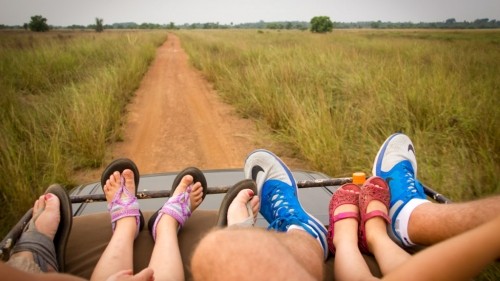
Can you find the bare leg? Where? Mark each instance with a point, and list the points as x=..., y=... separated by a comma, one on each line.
x=166, y=258
x=388, y=254
x=459, y=258
x=47, y=217
x=431, y=223
x=278, y=256
x=347, y=254
x=118, y=255
x=256, y=254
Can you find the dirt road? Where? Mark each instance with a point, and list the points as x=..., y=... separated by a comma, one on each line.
x=176, y=120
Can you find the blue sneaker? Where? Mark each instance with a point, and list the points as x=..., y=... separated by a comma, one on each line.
x=397, y=165
x=279, y=204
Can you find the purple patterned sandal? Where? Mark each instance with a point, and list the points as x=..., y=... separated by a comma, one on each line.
x=346, y=194
x=124, y=206
x=179, y=206
x=374, y=188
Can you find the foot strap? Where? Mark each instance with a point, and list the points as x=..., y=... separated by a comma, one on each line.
x=121, y=207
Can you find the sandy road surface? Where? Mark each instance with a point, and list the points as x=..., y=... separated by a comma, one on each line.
x=176, y=120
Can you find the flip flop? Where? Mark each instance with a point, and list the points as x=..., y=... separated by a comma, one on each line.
x=120, y=165
x=45, y=251
x=198, y=176
x=228, y=199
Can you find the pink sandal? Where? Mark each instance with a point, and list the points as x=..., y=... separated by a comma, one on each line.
x=374, y=188
x=346, y=194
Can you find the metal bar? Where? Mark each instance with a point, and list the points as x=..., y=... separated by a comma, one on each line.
x=11, y=238
x=223, y=189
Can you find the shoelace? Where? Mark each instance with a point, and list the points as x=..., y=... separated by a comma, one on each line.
x=283, y=212
x=410, y=179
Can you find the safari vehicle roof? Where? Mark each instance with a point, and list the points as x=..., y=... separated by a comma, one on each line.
x=314, y=200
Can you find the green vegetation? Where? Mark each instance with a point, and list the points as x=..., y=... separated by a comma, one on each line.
x=38, y=24
x=335, y=98
x=321, y=24
x=98, y=25
x=63, y=95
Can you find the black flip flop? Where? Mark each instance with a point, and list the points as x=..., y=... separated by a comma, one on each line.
x=120, y=165
x=197, y=175
x=65, y=224
x=229, y=197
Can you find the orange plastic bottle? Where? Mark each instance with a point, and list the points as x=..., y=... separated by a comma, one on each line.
x=358, y=178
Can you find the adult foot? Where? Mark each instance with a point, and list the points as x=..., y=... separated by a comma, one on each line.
x=278, y=193
x=238, y=212
x=47, y=215
x=396, y=163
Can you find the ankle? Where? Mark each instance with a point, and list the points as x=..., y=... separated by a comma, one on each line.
x=126, y=224
x=346, y=231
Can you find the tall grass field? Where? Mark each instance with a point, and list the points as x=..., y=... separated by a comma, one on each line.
x=332, y=99
x=62, y=97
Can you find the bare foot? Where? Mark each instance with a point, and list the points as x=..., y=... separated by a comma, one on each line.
x=114, y=182
x=237, y=211
x=47, y=215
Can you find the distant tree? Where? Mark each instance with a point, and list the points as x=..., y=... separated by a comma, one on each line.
x=38, y=24
x=171, y=25
x=26, y=26
x=451, y=21
x=321, y=24
x=98, y=25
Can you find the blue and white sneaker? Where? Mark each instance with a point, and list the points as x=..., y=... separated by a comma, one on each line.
x=279, y=203
x=397, y=165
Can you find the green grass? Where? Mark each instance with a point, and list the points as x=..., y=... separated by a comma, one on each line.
x=63, y=94
x=335, y=98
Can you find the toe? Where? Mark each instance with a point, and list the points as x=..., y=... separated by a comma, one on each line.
x=129, y=180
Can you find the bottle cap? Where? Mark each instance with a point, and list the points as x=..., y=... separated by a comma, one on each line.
x=358, y=178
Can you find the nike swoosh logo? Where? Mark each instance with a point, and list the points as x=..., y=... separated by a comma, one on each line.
x=410, y=147
x=255, y=171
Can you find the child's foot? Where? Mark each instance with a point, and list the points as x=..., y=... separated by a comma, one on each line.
x=344, y=216
x=122, y=203
x=179, y=207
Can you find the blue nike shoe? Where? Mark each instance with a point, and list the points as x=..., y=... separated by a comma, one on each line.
x=279, y=203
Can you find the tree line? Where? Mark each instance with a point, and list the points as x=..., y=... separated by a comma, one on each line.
x=39, y=23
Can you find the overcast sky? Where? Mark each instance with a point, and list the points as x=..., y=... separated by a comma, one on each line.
x=84, y=12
